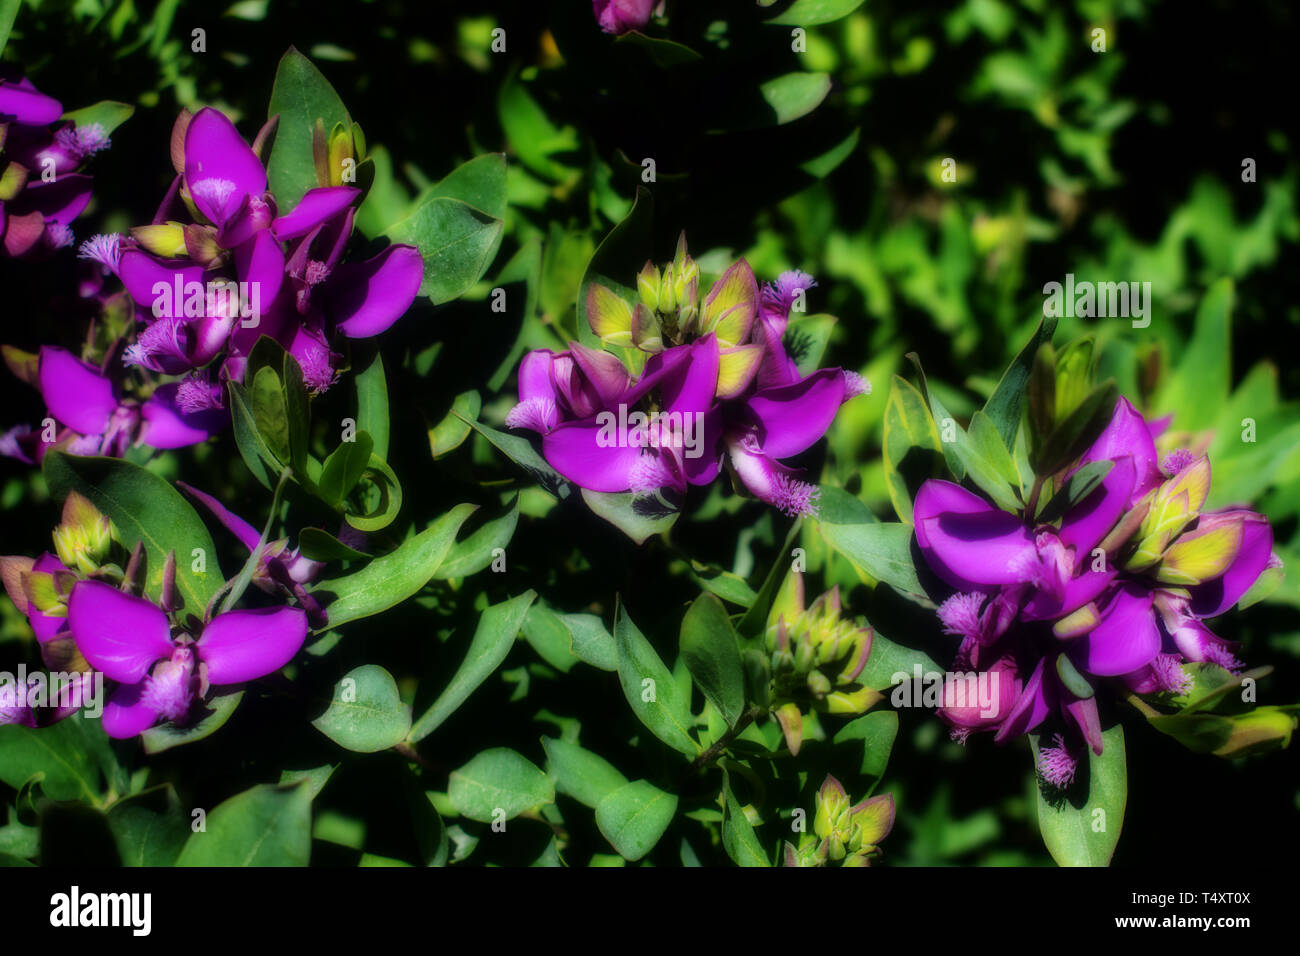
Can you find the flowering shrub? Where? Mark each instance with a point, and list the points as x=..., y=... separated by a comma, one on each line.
x=393, y=497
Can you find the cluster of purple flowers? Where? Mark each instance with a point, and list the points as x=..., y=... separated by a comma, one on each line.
x=1117, y=590
x=90, y=619
x=623, y=16
x=42, y=188
x=686, y=383
x=219, y=266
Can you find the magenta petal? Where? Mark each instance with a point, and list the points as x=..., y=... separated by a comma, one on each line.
x=75, y=393
x=1126, y=638
x=117, y=633
x=1083, y=711
x=22, y=103
x=1079, y=590
x=60, y=201
x=793, y=417
x=126, y=715
x=147, y=280
x=316, y=206
x=1214, y=597
x=166, y=426
x=220, y=168
x=260, y=263
x=248, y=536
x=691, y=387
x=967, y=541
x=535, y=375
x=1090, y=520
x=574, y=450
x=605, y=373
x=1030, y=709
x=241, y=646
x=702, y=467
x=1128, y=434
x=368, y=297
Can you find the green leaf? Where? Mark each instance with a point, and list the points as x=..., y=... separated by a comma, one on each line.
x=881, y=550
x=150, y=828
x=521, y=451
x=877, y=731
x=493, y=637
x=634, y=817
x=301, y=96
x=738, y=836
x=811, y=13
x=795, y=95
x=377, y=498
x=366, y=714
x=372, y=402
x=481, y=183
x=107, y=113
x=144, y=508
x=478, y=550
x=1081, y=428
x=319, y=545
x=1082, y=827
x=650, y=689
x=59, y=753
x=889, y=659
x=451, y=432
x=218, y=709
x=988, y=463
x=8, y=12
x=343, y=468
x=1081, y=484
x=391, y=579
x=498, y=780
x=910, y=446
x=457, y=242
x=1004, y=405
x=617, y=260
x=264, y=826
x=579, y=773
x=591, y=640
x=1198, y=387
x=711, y=649
x=640, y=517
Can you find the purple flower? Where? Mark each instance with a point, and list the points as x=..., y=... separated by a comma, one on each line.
x=219, y=266
x=699, y=400
x=623, y=16
x=161, y=671
x=280, y=569
x=41, y=187
x=1117, y=588
x=88, y=402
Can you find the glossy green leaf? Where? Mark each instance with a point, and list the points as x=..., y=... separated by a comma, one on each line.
x=811, y=13
x=650, y=689
x=495, y=635
x=1004, y=405
x=738, y=836
x=579, y=773
x=144, y=508
x=150, y=828
x=1082, y=827
x=366, y=713
x=640, y=517
x=711, y=649
x=301, y=95
x=389, y=580
x=264, y=826
x=910, y=445
x=634, y=817
x=456, y=241
x=498, y=782
x=213, y=715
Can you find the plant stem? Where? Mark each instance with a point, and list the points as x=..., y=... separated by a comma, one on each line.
x=719, y=745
